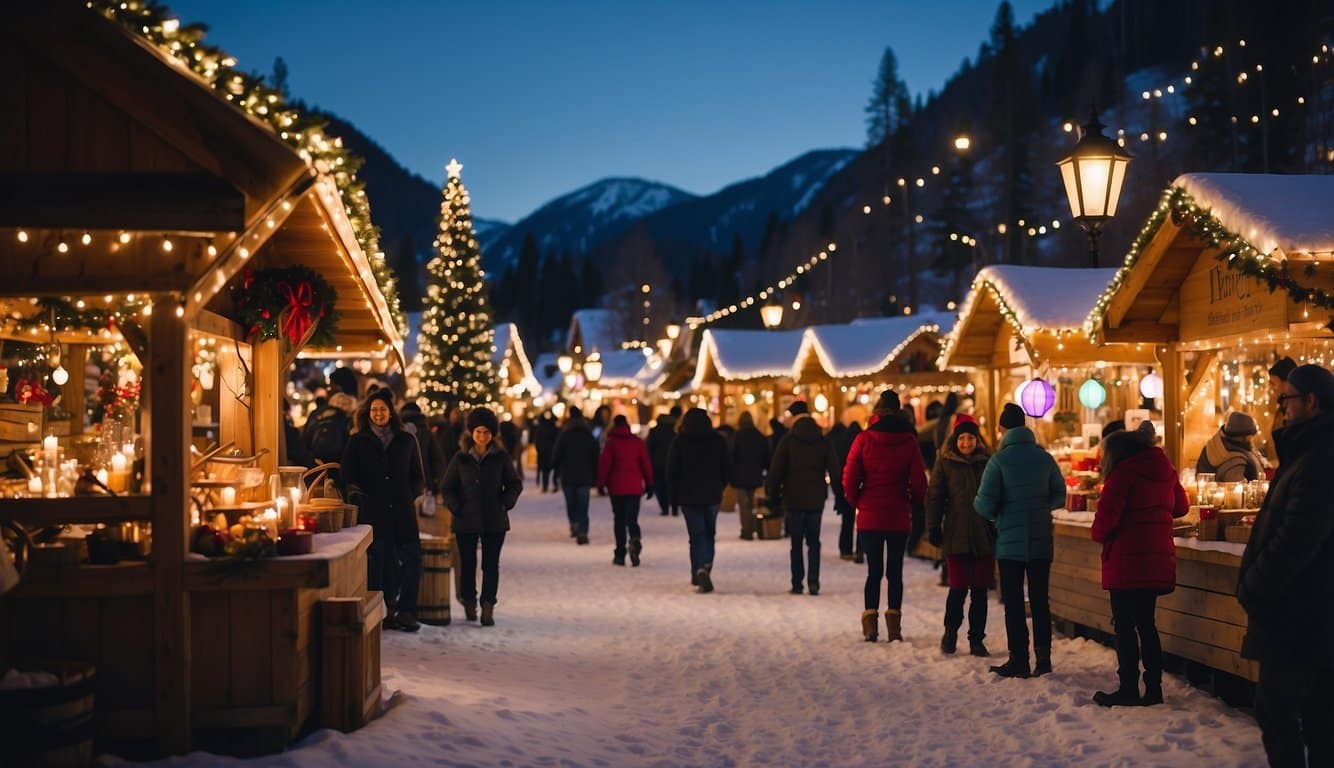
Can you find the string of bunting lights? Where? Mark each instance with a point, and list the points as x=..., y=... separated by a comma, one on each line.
x=1233, y=250
x=250, y=93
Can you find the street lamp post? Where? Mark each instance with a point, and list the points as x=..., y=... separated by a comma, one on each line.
x=772, y=315
x=1093, y=175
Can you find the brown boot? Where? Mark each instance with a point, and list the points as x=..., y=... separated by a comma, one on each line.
x=893, y=625
x=487, y=619
x=870, y=626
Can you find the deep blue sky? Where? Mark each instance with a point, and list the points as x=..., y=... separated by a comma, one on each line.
x=538, y=98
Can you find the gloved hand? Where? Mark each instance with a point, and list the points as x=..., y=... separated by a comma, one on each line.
x=648, y=492
x=936, y=537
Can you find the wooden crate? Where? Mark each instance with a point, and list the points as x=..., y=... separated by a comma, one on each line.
x=350, y=685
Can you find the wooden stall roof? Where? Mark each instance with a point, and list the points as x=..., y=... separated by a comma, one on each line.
x=867, y=347
x=1286, y=218
x=108, y=132
x=735, y=355
x=1042, y=309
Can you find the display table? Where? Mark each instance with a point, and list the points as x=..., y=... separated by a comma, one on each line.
x=255, y=639
x=1201, y=620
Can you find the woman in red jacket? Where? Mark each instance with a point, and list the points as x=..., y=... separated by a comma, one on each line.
x=625, y=471
x=883, y=478
x=1140, y=497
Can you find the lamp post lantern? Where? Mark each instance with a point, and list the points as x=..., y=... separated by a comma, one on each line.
x=565, y=363
x=593, y=368
x=673, y=330
x=772, y=315
x=1093, y=175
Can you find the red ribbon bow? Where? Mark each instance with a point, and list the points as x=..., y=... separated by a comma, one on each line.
x=298, y=320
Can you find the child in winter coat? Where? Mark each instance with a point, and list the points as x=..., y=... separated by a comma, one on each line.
x=963, y=536
x=625, y=471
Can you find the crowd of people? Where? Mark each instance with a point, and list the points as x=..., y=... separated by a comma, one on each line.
x=987, y=510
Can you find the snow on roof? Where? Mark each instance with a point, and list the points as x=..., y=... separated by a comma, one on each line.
x=597, y=330
x=864, y=346
x=741, y=355
x=509, y=346
x=623, y=368
x=550, y=384
x=1291, y=213
x=1032, y=298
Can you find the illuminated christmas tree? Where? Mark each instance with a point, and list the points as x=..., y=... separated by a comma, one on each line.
x=457, y=335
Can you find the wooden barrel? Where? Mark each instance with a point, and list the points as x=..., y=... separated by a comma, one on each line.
x=50, y=726
x=433, y=600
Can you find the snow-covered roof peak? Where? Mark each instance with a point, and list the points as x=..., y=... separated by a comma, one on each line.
x=1054, y=298
x=740, y=354
x=1293, y=213
x=864, y=346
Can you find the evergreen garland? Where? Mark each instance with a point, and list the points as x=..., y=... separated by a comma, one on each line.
x=250, y=93
x=457, y=340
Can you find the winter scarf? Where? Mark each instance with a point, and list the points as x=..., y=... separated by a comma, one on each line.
x=385, y=433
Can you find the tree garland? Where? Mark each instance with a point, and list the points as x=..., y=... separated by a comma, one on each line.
x=295, y=304
x=249, y=92
x=1233, y=250
x=61, y=315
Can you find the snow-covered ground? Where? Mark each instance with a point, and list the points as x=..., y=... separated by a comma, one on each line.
x=595, y=665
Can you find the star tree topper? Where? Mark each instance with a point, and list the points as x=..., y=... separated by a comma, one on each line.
x=454, y=168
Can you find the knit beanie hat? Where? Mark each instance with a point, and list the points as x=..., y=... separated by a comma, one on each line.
x=1240, y=425
x=1011, y=416
x=965, y=428
x=1282, y=368
x=1311, y=379
x=888, y=401
x=798, y=408
x=483, y=417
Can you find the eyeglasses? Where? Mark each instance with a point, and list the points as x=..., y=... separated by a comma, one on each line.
x=1281, y=398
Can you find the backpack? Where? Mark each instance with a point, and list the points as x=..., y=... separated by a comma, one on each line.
x=328, y=434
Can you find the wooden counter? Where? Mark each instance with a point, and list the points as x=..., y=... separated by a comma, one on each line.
x=255, y=639
x=1201, y=620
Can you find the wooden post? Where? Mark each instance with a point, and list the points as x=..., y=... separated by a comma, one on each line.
x=167, y=421
x=266, y=401
x=73, y=397
x=1173, y=402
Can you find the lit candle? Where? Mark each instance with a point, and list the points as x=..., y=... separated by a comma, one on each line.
x=228, y=497
x=102, y=476
x=50, y=443
x=128, y=450
x=117, y=462
x=282, y=513
x=35, y=484
x=118, y=479
x=271, y=523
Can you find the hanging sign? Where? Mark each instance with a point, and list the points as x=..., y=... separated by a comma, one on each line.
x=1218, y=301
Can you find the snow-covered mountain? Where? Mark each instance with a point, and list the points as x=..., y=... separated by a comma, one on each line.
x=582, y=220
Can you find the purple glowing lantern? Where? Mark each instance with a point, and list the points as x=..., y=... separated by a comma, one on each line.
x=1037, y=398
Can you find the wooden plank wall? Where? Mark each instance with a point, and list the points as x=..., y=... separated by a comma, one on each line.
x=1201, y=620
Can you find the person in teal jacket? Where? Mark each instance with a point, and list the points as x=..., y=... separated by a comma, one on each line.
x=1020, y=488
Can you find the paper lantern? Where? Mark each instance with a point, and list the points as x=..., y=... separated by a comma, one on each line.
x=1037, y=398
x=1092, y=394
x=1151, y=386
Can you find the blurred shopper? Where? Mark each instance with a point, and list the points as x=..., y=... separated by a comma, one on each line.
x=750, y=460
x=626, y=472
x=697, y=469
x=575, y=461
x=799, y=478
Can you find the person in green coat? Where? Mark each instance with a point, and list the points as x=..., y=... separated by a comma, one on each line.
x=1020, y=488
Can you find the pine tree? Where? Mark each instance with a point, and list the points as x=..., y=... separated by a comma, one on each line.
x=886, y=110
x=457, y=336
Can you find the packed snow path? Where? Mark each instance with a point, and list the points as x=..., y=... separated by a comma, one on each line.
x=590, y=664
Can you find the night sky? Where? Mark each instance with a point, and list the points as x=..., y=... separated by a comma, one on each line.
x=537, y=99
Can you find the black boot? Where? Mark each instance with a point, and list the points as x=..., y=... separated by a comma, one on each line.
x=1043, y=665
x=704, y=578
x=618, y=558
x=635, y=548
x=976, y=648
x=470, y=610
x=950, y=642
x=1017, y=666
x=1153, y=688
x=574, y=530
x=1127, y=695
x=581, y=539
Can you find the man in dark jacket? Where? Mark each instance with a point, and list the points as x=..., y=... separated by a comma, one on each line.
x=481, y=487
x=575, y=460
x=698, y=467
x=840, y=439
x=659, y=444
x=512, y=443
x=750, y=458
x=433, y=463
x=544, y=433
x=799, y=477
x=1286, y=580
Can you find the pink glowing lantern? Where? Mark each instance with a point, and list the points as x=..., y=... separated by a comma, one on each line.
x=1037, y=398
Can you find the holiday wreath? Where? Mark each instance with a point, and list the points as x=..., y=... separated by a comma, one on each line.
x=291, y=303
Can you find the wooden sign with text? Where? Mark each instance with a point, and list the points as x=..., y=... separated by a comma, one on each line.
x=1218, y=301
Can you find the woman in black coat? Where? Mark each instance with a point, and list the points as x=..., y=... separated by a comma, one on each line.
x=750, y=459
x=481, y=487
x=697, y=468
x=382, y=471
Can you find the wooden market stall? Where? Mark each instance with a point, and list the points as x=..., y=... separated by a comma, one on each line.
x=1197, y=284
x=1022, y=322
x=851, y=362
x=745, y=370
x=127, y=183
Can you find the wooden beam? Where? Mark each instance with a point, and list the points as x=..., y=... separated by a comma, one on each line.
x=1172, y=364
x=157, y=202
x=1140, y=273
x=1140, y=331
x=1200, y=373
x=266, y=402
x=167, y=424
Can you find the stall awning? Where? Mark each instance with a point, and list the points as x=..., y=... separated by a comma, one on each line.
x=727, y=355
x=865, y=347
x=1042, y=310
